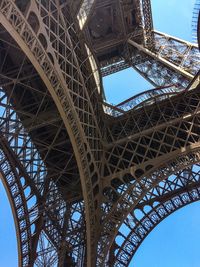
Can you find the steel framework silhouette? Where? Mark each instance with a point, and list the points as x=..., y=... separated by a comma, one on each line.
x=88, y=181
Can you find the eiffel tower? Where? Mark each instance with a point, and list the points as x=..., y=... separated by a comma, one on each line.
x=82, y=174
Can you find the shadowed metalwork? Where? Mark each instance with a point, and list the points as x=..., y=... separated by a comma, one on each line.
x=80, y=173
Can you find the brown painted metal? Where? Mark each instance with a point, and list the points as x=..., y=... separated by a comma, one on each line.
x=77, y=169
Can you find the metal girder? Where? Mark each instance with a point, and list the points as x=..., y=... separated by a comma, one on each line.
x=169, y=61
x=36, y=198
x=142, y=99
x=87, y=170
x=71, y=85
x=168, y=57
x=152, y=219
x=195, y=23
x=159, y=144
x=84, y=12
x=170, y=195
x=147, y=22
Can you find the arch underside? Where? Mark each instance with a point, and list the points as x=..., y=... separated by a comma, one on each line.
x=56, y=143
x=30, y=34
x=167, y=197
x=167, y=141
x=39, y=201
x=35, y=142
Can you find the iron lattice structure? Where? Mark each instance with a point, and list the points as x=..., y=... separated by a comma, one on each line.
x=87, y=181
x=195, y=23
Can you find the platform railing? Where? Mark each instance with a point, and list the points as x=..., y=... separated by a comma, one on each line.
x=145, y=98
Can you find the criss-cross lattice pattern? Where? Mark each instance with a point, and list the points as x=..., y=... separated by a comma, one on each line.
x=37, y=197
x=87, y=180
x=168, y=196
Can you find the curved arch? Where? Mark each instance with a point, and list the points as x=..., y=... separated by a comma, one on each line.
x=36, y=177
x=63, y=97
x=23, y=183
x=33, y=21
x=143, y=99
x=152, y=153
x=18, y=201
x=170, y=195
x=29, y=192
x=149, y=97
x=150, y=221
x=132, y=193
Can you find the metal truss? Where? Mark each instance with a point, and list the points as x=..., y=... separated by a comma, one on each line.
x=57, y=55
x=195, y=21
x=170, y=195
x=75, y=175
x=174, y=54
x=39, y=207
x=164, y=108
x=84, y=12
x=140, y=100
x=158, y=145
x=114, y=66
x=118, y=206
x=142, y=31
x=169, y=61
x=147, y=22
x=46, y=253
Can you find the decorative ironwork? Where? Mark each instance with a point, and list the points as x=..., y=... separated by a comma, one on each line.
x=64, y=88
x=74, y=174
x=36, y=196
x=140, y=100
x=169, y=55
x=170, y=195
x=195, y=21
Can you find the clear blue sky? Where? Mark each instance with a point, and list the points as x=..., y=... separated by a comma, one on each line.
x=8, y=244
x=175, y=242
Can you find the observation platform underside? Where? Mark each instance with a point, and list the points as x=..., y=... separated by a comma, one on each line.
x=79, y=172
